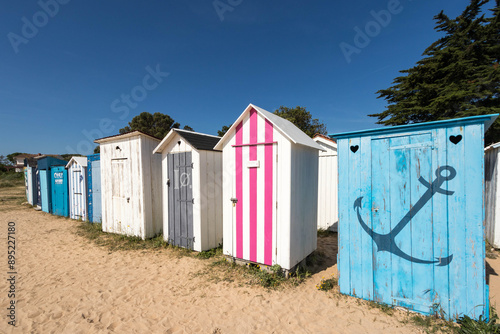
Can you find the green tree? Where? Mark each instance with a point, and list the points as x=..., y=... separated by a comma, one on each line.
x=458, y=76
x=223, y=131
x=97, y=149
x=4, y=162
x=302, y=119
x=156, y=125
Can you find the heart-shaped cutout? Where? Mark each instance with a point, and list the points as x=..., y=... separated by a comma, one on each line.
x=354, y=148
x=456, y=139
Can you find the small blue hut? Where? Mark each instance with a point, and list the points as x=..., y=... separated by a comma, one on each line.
x=44, y=165
x=411, y=216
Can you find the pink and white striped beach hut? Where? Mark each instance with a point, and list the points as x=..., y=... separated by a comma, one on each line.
x=270, y=190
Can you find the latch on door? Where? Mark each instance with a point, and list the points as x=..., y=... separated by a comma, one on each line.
x=234, y=200
x=128, y=199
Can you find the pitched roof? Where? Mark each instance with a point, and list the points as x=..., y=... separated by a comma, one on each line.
x=82, y=161
x=325, y=141
x=287, y=128
x=123, y=135
x=199, y=141
x=319, y=135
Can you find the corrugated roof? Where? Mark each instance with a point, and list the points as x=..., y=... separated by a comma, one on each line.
x=286, y=127
x=199, y=141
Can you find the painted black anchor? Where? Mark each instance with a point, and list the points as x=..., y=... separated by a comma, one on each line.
x=385, y=242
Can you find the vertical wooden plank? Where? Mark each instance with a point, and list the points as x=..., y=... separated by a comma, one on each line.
x=218, y=200
x=171, y=197
x=400, y=199
x=421, y=224
x=365, y=151
x=457, y=226
x=381, y=219
x=345, y=207
x=96, y=192
x=177, y=197
x=207, y=169
x=356, y=252
x=474, y=214
x=440, y=238
x=183, y=198
x=189, y=204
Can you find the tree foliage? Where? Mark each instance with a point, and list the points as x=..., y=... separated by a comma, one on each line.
x=458, y=76
x=4, y=162
x=302, y=119
x=223, y=131
x=156, y=125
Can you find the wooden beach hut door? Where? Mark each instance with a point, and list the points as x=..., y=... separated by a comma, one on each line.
x=405, y=232
x=44, y=191
x=78, y=206
x=96, y=191
x=121, y=178
x=254, y=191
x=180, y=199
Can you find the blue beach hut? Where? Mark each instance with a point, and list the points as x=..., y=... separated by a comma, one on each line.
x=411, y=216
x=59, y=189
x=94, y=188
x=44, y=165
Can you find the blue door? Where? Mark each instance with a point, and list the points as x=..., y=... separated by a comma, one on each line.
x=96, y=192
x=60, y=197
x=402, y=219
x=44, y=190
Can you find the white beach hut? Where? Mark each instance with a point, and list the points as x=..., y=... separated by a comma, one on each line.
x=270, y=190
x=192, y=189
x=131, y=185
x=77, y=180
x=328, y=184
x=492, y=194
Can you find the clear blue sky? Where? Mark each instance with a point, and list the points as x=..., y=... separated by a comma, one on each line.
x=70, y=74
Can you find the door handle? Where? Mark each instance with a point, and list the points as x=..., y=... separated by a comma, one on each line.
x=234, y=200
x=128, y=199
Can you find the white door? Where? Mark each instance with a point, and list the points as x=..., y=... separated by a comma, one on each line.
x=120, y=170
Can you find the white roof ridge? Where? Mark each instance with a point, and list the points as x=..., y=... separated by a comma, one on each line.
x=198, y=133
x=80, y=160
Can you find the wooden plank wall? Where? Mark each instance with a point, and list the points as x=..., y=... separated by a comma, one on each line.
x=328, y=188
x=448, y=224
x=492, y=216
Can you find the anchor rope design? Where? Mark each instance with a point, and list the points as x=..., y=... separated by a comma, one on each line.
x=385, y=242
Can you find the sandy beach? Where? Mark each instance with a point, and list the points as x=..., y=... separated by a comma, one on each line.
x=67, y=284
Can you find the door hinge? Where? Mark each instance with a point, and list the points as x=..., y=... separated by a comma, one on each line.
x=276, y=204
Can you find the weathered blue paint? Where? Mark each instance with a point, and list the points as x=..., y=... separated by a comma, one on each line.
x=44, y=190
x=59, y=179
x=44, y=181
x=411, y=216
x=94, y=188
